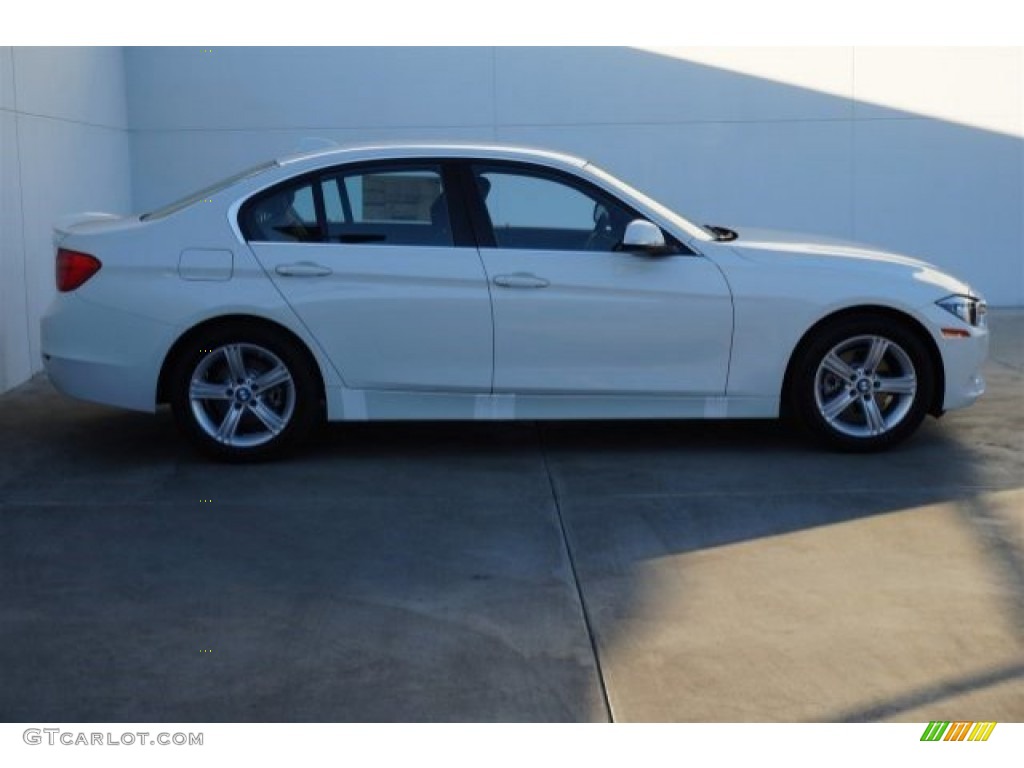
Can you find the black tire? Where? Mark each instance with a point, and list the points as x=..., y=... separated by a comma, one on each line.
x=862, y=383
x=244, y=393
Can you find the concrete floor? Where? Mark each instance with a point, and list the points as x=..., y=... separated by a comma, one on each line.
x=721, y=571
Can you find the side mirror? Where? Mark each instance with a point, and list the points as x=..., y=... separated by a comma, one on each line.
x=642, y=236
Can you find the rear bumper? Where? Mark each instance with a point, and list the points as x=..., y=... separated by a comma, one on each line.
x=103, y=355
x=99, y=383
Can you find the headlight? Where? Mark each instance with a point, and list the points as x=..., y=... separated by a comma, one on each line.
x=970, y=309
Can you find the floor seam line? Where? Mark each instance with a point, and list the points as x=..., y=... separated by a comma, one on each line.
x=575, y=577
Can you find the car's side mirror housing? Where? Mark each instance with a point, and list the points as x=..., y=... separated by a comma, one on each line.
x=641, y=236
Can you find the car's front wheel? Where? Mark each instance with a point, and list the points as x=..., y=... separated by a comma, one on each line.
x=862, y=384
x=243, y=393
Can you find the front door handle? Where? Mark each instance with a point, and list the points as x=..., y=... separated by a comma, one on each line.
x=303, y=269
x=521, y=280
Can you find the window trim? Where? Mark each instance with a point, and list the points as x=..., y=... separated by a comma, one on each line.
x=461, y=230
x=216, y=188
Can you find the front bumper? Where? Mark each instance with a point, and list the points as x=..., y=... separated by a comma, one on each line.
x=962, y=358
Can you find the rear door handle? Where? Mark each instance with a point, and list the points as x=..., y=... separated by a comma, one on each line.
x=521, y=280
x=303, y=269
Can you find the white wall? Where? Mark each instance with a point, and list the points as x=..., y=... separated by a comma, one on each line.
x=63, y=147
x=915, y=149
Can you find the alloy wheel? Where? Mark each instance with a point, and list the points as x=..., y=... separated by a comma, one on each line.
x=241, y=395
x=865, y=386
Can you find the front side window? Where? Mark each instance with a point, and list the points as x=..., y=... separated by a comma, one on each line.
x=390, y=205
x=536, y=210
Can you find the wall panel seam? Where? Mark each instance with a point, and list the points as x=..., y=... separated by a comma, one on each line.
x=21, y=201
x=566, y=124
x=72, y=121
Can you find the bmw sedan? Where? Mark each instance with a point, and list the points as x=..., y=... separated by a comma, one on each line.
x=491, y=282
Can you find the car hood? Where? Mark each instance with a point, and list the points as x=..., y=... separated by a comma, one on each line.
x=768, y=245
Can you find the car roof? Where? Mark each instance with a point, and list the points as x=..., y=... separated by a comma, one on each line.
x=383, y=151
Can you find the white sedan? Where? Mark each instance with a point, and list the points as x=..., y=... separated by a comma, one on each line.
x=490, y=282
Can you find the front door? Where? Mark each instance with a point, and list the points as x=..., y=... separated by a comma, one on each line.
x=574, y=315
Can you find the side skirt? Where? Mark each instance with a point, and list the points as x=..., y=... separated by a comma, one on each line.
x=374, y=405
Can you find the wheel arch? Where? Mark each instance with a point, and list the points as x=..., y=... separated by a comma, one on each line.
x=908, y=321
x=196, y=331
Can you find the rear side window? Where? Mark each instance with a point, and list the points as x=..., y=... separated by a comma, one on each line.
x=286, y=215
x=384, y=205
x=390, y=206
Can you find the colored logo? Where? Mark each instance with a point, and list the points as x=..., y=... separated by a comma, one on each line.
x=958, y=731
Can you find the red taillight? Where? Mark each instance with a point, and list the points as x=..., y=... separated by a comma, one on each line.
x=74, y=268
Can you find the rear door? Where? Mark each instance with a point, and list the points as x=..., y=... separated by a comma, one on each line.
x=375, y=265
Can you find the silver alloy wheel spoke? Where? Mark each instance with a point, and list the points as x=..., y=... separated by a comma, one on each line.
x=897, y=385
x=883, y=400
x=270, y=420
x=228, y=427
x=873, y=415
x=242, y=395
x=876, y=353
x=838, y=366
x=272, y=378
x=233, y=354
x=208, y=390
x=834, y=408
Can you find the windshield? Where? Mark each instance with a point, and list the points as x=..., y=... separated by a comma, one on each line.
x=667, y=213
x=213, y=189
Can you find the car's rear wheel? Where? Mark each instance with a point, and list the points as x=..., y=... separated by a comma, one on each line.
x=862, y=383
x=243, y=393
